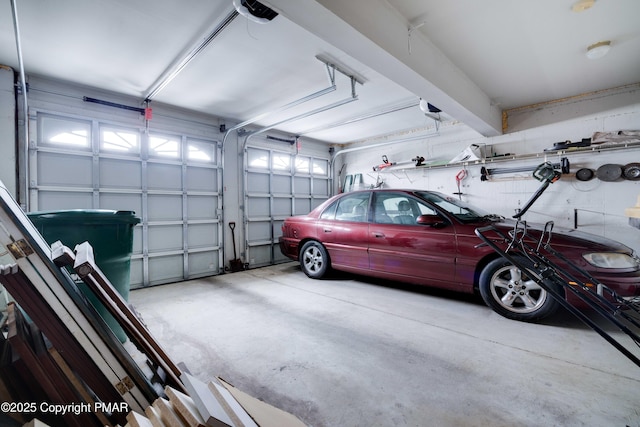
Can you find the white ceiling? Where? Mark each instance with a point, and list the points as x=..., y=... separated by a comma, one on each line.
x=472, y=59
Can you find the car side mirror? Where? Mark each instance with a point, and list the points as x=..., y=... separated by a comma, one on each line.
x=431, y=220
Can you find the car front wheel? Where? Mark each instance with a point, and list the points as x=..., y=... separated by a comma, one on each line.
x=314, y=259
x=514, y=293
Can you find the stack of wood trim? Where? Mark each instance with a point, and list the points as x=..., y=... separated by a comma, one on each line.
x=213, y=404
x=34, y=371
x=66, y=354
x=82, y=339
x=84, y=265
x=35, y=423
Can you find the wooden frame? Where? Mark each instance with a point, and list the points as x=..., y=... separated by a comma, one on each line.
x=51, y=298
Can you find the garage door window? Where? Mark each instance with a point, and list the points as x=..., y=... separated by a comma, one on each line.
x=304, y=165
x=164, y=146
x=65, y=133
x=123, y=141
x=281, y=162
x=201, y=151
x=258, y=159
x=320, y=167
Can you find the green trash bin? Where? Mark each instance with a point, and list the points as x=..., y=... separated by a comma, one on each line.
x=109, y=232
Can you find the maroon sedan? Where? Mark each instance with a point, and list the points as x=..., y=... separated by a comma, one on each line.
x=428, y=238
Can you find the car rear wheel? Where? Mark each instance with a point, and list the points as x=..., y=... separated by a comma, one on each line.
x=514, y=293
x=314, y=259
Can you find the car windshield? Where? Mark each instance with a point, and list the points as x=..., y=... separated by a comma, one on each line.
x=461, y=210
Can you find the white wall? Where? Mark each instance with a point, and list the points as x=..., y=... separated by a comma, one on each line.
x=600, y=204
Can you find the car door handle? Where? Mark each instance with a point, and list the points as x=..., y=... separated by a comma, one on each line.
x=327, y=230
x=378, y=234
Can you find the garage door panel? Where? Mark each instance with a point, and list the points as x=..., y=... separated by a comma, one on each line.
x=164, y=207
x=258, y=182
x=317, y=202
x=259, y=231
x=303, y=206
x=281, y=206
x=281, y=184
x=203, y=263
x=202, y=207
x=277, y=255
x=120, y=174
x=137, y=273
x=258, y=207
x=203, y=235
x=202, y=179
x=56, y=169
x=137, y=240
x=260, y=255
x=302, y=185
x=277, y=228
x=165, y=238
x=56, y=200
x=164, y=177
x=320, y=187
x=122, y=202
x=165, y=269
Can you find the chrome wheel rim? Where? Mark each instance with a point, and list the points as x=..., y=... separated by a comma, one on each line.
x=312, y=259
x=515, y=291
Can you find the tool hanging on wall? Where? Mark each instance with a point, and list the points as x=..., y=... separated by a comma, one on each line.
x=348, y=183
x=236, y=263
x=609, y=172
x=546, y=174
x=568, y=144
x=358, y=182
x=416, y=161
x=340, y=172
x=487, y=173
x=631, y=171
x=385, y=164
x=460, y=176
x=352, y=182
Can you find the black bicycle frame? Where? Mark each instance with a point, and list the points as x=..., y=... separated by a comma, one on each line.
x=520, y=244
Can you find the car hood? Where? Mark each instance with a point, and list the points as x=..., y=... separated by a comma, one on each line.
x=563, y=236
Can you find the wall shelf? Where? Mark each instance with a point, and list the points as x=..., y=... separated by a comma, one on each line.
x=605, y=147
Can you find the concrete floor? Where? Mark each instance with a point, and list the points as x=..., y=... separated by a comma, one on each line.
x=348, y=351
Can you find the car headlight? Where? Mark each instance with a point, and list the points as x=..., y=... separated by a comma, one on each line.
x=611, y=260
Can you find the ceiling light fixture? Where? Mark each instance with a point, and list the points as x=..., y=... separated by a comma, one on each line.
x=582, y=5
x=598, y=50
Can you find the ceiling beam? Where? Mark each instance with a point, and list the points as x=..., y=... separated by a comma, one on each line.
x=376, y=35
x=572, y=107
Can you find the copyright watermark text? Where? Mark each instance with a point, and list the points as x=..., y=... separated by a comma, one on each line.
x=62, y=409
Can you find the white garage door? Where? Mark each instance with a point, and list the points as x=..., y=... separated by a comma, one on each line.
x=278, y=184
x=170, y=180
